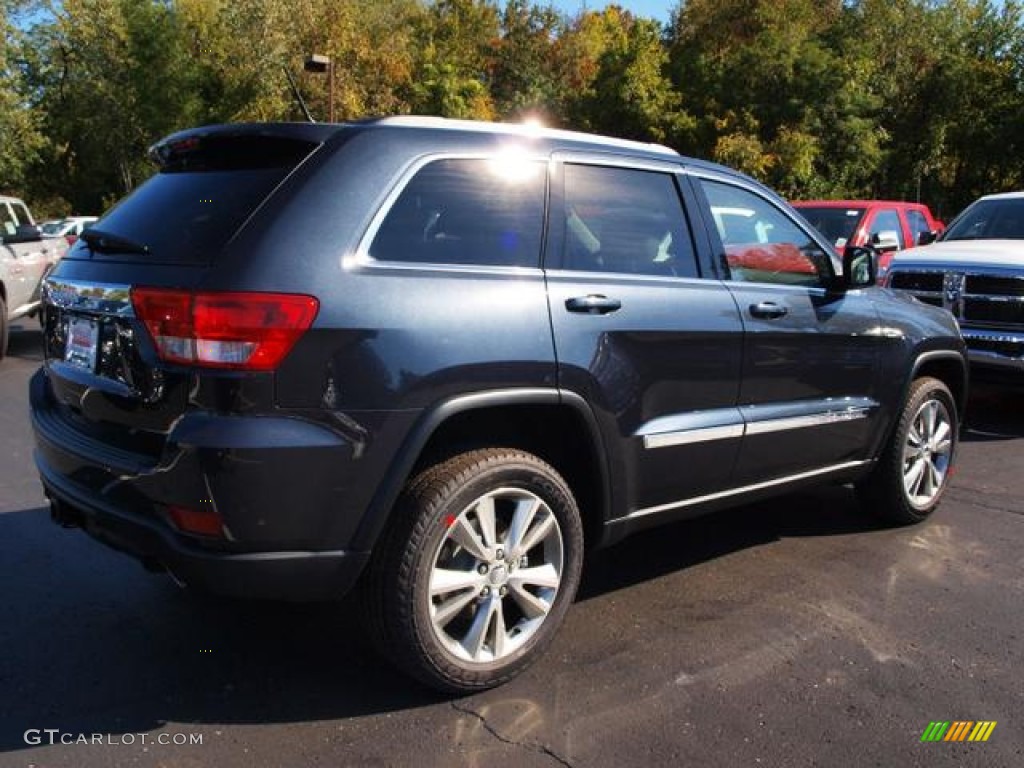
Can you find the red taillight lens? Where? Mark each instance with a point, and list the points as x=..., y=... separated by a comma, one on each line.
x=245, y=331
x=203, y=522
x=71, y=239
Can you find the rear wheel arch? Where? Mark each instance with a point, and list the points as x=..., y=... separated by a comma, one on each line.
x=557, y=427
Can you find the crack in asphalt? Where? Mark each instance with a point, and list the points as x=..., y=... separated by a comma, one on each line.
x=539, y=748
x=973, y=501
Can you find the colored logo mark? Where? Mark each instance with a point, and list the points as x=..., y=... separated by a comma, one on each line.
x=958, y=730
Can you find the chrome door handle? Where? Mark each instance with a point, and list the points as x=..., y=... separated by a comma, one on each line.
x=592, y=304
x=768, y=309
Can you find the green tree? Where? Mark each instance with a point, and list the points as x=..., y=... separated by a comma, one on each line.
x=21, y=142
x=616, y=65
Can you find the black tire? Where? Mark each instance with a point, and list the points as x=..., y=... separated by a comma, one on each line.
x=4, y=329
x=441, y=504
x=885, y=491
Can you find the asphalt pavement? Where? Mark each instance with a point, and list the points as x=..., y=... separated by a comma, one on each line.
x=792, y=632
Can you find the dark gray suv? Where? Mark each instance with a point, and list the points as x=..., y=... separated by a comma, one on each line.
x=433, y=360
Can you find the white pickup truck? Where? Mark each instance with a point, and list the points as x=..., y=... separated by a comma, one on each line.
x=25, y=259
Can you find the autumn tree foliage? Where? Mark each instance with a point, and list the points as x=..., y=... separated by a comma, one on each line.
x=912, y=99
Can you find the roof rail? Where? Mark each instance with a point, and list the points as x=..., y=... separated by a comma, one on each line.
x=525, y=130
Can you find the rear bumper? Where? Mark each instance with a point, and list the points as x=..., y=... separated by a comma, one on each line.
x=266, y=575
x=279, y=484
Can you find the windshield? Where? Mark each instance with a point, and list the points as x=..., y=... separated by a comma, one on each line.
x=836, y=224
x=990, y=220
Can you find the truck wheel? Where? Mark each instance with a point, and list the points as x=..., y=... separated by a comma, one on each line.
x=3, y=328
x=476, y=571
x=914, y=469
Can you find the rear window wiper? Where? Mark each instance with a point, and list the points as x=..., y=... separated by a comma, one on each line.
x=98, y=240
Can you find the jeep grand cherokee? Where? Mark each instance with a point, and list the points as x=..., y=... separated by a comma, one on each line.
x=431, y=359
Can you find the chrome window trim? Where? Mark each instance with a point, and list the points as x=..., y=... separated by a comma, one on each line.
x=745, y=489
x=590, y=157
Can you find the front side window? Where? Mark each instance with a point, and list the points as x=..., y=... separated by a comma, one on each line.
x=761, y=244
x=626, y=221
x=479, y=211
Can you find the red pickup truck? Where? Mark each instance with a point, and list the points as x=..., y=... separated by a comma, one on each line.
x=888, y=225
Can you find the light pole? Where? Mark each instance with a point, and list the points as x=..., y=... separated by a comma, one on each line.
x=317, y=62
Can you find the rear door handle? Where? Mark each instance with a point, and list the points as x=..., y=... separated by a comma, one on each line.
x=593, y=304
x=768, y=309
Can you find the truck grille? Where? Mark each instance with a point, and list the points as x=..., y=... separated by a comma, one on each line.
x=977, y=299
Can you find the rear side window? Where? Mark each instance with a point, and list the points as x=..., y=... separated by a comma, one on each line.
x=627, y=221
x=479, y=211
x=206, y=189
x=887, y=221
x=918, y=223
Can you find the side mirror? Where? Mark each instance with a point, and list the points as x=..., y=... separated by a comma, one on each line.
x=860, y=267
x=886, y=240
x=25, y=233
x=926, y=238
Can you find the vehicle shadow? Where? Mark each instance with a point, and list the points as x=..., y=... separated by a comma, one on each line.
x=93, y=644
x=994, y=413
x=25, y=340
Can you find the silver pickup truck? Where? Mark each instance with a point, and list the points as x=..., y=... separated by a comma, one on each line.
x=25, y=259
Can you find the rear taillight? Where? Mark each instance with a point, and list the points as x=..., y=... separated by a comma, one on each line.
x=244, y=331
x=71, y=239
x=201, y=522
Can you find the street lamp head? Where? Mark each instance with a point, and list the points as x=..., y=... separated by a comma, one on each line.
x=317, y=62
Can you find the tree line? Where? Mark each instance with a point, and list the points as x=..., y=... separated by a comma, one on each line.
x=906, y=99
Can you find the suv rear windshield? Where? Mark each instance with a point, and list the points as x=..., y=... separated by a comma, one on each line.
x=206, y=189
x=837, y=224
x=990, y=219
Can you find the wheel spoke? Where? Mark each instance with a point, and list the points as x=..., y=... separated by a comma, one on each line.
x=914, y=439
x=913, y=477
x=526, y=510
x=500, y=632
x=537, y=534
x=449, y=609
x=928, y=413
x=468, y=539
x=475, y=638
x=934, y=478
x=531, y=605
x=485, y=514
x=540, y=576
x=443, y=581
